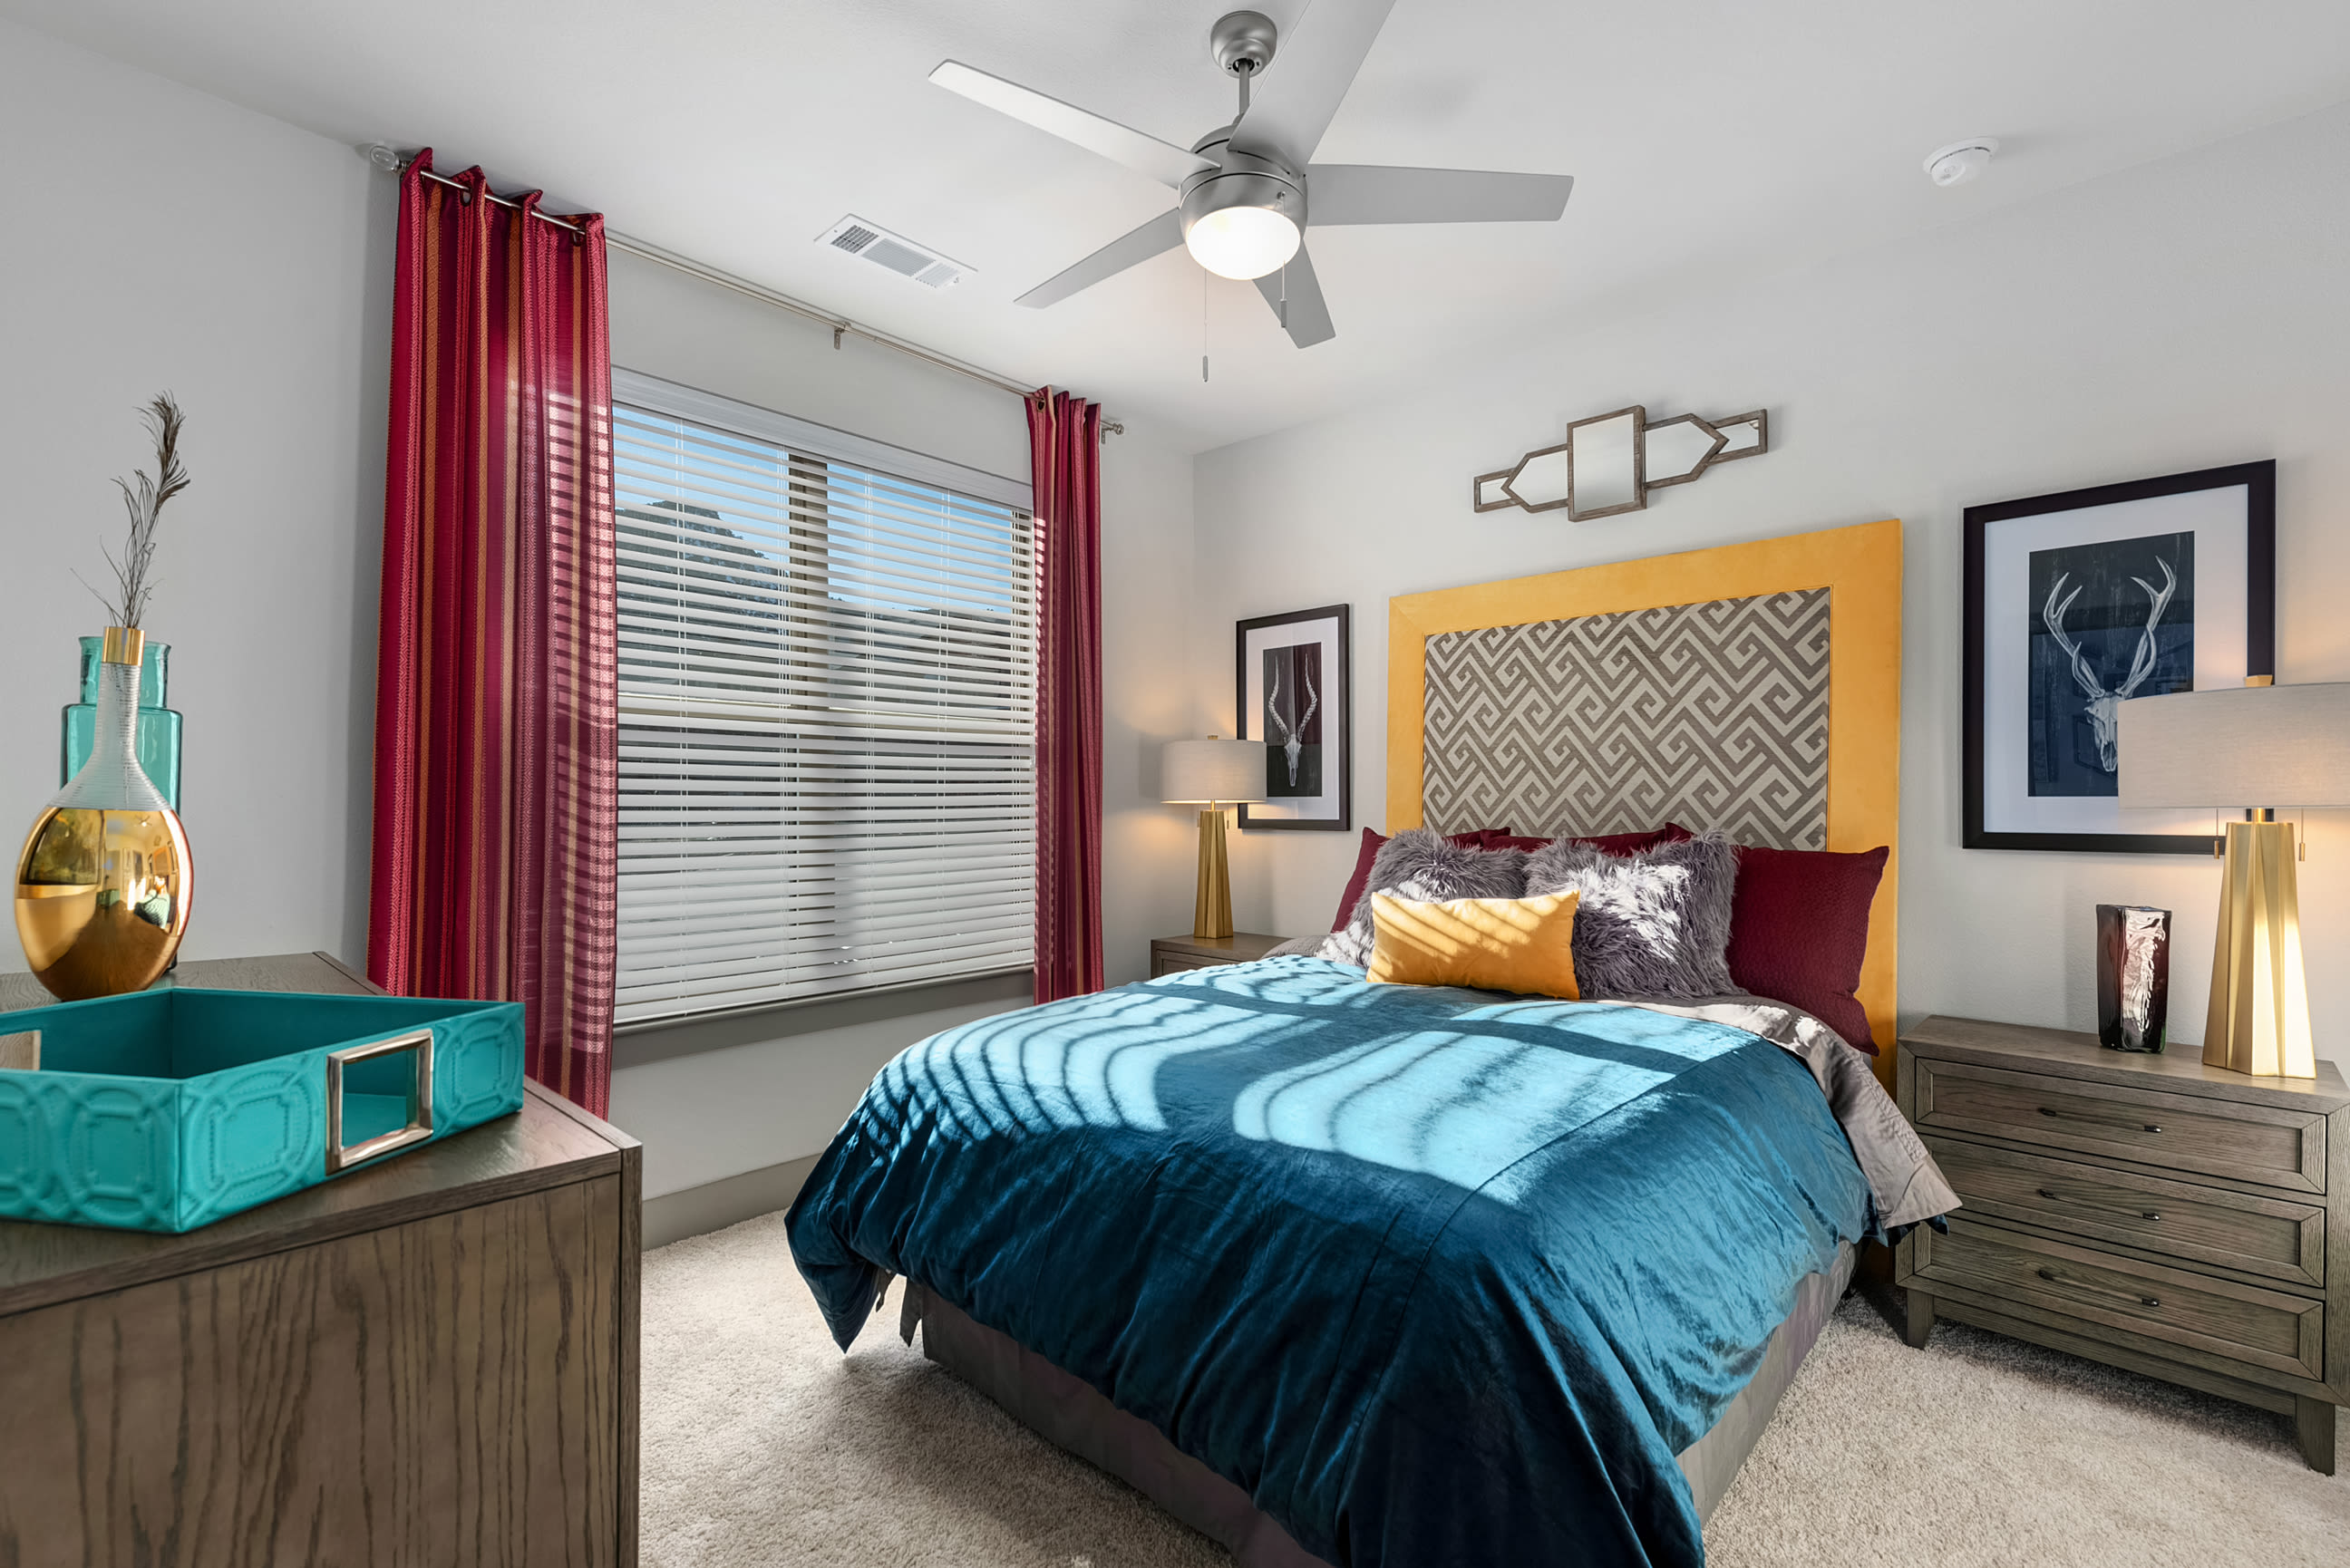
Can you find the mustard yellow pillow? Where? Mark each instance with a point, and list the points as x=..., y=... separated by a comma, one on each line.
x=1522, y=945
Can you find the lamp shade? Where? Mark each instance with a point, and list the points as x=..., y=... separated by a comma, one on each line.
x=1203, y=772
x=2244, y=746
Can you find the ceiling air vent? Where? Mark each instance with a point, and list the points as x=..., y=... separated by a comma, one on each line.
x=898, y=254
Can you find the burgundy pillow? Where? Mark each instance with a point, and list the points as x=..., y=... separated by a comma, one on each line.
x=1623, y=845
x=1481, y=838
x=1799, y=929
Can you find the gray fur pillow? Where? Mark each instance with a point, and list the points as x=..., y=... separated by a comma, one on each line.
x=1649, y=926
x=1420, y=865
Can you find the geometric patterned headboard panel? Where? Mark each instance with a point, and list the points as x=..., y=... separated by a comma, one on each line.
x=1684, y=688
x=1713, y=715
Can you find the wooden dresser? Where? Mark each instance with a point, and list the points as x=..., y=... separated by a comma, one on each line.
x=2150, y=1212
x=1169, y=954
x=430, y=1361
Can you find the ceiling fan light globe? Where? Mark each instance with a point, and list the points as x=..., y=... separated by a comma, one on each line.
x=1243, y=243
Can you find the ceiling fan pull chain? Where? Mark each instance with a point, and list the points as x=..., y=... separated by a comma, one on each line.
x=1283, y=311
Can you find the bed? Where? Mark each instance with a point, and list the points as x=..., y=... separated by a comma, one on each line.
x=1357, y=1274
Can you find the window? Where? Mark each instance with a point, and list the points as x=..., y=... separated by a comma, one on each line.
x=827, y=654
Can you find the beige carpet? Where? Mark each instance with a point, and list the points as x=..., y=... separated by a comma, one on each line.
x=763, y=1445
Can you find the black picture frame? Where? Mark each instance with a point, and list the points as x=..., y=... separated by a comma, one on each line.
x=2258, y=481
x=1337, y=706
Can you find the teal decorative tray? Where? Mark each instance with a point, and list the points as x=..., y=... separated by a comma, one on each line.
x=170, y=1109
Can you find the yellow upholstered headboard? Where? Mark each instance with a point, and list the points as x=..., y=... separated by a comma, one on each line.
x=1698, y=633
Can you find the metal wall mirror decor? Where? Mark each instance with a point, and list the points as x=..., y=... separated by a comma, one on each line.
x=1294, y=692
x=2079, y=602
x=1609, y=462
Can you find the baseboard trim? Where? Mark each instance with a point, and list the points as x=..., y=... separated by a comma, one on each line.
x=714, y=1205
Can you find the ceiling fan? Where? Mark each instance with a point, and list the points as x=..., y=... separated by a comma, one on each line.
x=1244, y=187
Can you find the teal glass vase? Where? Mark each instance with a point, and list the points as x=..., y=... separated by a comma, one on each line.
x=158, y=742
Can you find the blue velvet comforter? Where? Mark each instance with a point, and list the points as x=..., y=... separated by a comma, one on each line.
x=1439, y=1278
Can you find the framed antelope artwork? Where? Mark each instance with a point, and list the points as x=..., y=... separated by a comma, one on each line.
x=2078, y=602
x=1294, y=692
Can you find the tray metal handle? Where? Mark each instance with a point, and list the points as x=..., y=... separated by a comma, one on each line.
x=340, y=1158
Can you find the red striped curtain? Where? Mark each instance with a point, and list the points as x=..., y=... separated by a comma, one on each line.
x=1065, y=454
x=494, y=843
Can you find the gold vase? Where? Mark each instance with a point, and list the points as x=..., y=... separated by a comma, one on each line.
x=104, y=880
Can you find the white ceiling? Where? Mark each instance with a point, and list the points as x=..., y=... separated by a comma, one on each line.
x=1704, y=136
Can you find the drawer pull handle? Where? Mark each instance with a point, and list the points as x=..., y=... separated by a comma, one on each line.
x=2152, y=1214
x=2054, y=1278
x=2096, y=1121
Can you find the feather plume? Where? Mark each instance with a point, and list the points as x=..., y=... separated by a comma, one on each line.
x=143, y=497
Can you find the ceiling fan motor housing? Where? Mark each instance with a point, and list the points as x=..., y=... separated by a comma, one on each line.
x=1239, y=179
x=1243, y=41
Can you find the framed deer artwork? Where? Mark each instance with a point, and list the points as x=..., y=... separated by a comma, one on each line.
x=2076, y=603
x=1294, y=692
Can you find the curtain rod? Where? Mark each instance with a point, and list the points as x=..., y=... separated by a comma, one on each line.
x=388, y=159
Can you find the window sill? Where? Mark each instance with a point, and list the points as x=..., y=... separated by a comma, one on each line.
x=665, y=1039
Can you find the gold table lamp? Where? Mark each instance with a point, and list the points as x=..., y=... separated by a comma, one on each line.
x=2288, y=745
x=1212, y=773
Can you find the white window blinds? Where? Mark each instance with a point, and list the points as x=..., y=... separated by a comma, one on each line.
x=827, y=710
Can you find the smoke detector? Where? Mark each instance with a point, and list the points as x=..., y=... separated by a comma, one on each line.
x=898, y=254
x=1960, y=160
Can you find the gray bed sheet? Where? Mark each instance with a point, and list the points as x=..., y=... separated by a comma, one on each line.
x=1071, y=1412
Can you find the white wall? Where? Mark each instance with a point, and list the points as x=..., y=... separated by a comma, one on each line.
x=158, y=238
x=2177, y=316
x=254, y=281
x=718, y=1114
x=1149, y=857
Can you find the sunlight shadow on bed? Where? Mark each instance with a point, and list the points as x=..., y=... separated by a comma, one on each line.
x=1100, y=1069
x=1455, y=1106
x=1393, y=1076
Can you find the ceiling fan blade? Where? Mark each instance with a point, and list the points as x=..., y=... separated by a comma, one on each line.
x=1369, y=193
x=1306, y=316
x=1308, y=78
x=1163, y=162
x=1163, y=234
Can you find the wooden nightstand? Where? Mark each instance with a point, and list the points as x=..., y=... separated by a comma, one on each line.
x=429, y=1360
x=1169, y=954
x=2150, y=1212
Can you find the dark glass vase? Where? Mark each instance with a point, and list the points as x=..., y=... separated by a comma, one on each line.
x=2133, y=977
x=158, y=740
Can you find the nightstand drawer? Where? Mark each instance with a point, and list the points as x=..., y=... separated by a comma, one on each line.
x=2268, y=1236
x=2179, y=1132
x=1173, y=955
x=2242, y=1322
